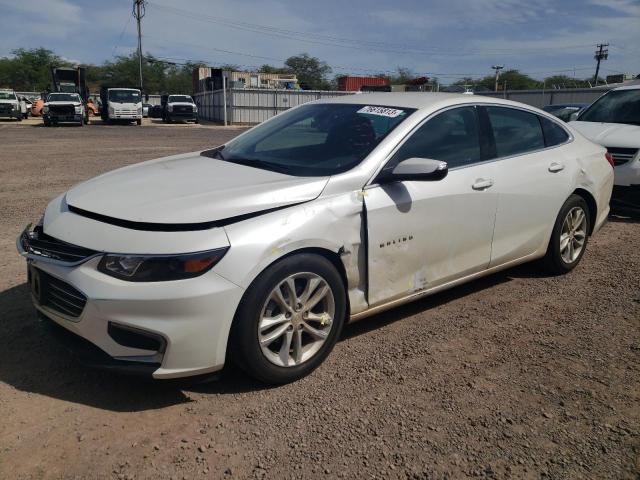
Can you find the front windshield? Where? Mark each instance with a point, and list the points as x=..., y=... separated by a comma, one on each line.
x=125, y=96
x=314, y=140
x=63, y=97
x=7, y=96
x=617, y=106
x=180, y=98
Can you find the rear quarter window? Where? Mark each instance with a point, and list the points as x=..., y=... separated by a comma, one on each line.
x=554, y=134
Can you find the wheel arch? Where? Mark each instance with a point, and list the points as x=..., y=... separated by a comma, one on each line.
x=333, y=257
x=330, y=255
x=591, y=205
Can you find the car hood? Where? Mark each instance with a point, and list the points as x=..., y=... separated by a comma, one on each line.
x=8, y=101
x=610, y=134
x=190, y=189
x=188, y=104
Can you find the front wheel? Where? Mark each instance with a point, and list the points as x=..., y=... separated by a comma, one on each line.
x=138, y=122
x=289, y=319
x=569, y=237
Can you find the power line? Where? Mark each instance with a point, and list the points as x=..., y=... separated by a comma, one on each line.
x=327, y=40
x=117, y=45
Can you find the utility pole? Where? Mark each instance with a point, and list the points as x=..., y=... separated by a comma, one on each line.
x=497, y=68
x=138, y=13
x=602, y=53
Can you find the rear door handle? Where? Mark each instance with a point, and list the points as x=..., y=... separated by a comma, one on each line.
x=482, y=184
x=556, y=167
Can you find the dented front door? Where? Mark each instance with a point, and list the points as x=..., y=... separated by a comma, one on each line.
x=424, y=234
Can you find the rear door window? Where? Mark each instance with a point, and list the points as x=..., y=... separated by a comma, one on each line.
x=515, y=131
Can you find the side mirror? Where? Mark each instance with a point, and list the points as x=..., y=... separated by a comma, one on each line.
x=574, y=116
x=416, y=169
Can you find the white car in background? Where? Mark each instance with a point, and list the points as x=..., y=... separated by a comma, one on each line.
x=261, y=249
x=613, y=121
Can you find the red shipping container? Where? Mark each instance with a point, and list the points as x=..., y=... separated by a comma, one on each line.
x=354, y=84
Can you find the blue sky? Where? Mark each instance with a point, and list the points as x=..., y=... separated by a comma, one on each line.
x=447, y=39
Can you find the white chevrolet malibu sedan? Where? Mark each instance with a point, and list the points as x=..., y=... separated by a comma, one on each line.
x=260, y=250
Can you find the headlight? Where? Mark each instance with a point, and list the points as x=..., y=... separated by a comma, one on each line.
x=78, y=109
x=170, y=108
x=195, y=108
x=45, y=109
x=139, y=110
x=160, y=268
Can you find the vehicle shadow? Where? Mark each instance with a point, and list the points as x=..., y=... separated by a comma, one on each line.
x=33, y=362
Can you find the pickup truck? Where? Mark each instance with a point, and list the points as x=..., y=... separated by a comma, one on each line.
x=10, y=105
x=179, y=107
x=63, y=107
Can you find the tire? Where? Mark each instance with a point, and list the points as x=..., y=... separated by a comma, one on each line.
x=265, y=362
x=559, y=259
x=139, y=122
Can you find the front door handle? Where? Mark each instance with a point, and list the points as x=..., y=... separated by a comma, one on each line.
x=556, y=167
x=482, y=184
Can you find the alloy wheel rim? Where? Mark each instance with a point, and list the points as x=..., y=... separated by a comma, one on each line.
x=296, y=319
x=573, y=234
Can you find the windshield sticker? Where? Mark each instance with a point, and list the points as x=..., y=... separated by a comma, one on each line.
x=382, y=111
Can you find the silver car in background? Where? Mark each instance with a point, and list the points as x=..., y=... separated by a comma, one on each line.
x=261, y=250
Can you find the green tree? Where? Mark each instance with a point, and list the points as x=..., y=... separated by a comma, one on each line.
x=271, y=69
x=29, y=69
x=311, y=71
x=514, y=81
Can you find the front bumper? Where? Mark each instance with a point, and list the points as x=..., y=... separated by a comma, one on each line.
x=75, y=118
x=626, y=199
x=187, y=117
x=10, y=113
x=191, y=317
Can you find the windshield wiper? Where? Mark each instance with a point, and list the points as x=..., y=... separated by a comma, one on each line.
x=257, y=163
x=249, y=162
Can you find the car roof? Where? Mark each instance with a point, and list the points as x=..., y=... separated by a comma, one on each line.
x=419, y=100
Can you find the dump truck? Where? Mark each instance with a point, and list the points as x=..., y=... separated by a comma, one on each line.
x=70, y=81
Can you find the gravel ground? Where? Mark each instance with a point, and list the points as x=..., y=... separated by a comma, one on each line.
x=518, y=375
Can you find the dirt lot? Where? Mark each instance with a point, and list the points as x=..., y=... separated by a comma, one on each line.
x=515, y=376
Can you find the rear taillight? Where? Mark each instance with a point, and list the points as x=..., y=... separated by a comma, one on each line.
x=609, y=158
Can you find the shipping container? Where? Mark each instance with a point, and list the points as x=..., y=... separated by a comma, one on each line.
x=355, y=84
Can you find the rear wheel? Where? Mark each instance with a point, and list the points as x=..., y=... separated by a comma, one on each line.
x=569, y=237
x=289, y=319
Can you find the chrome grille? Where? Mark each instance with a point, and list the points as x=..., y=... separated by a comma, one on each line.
x=622, y=155
x=55, y=294
x=183, y=109
x=62, y=110
x=40, y=244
